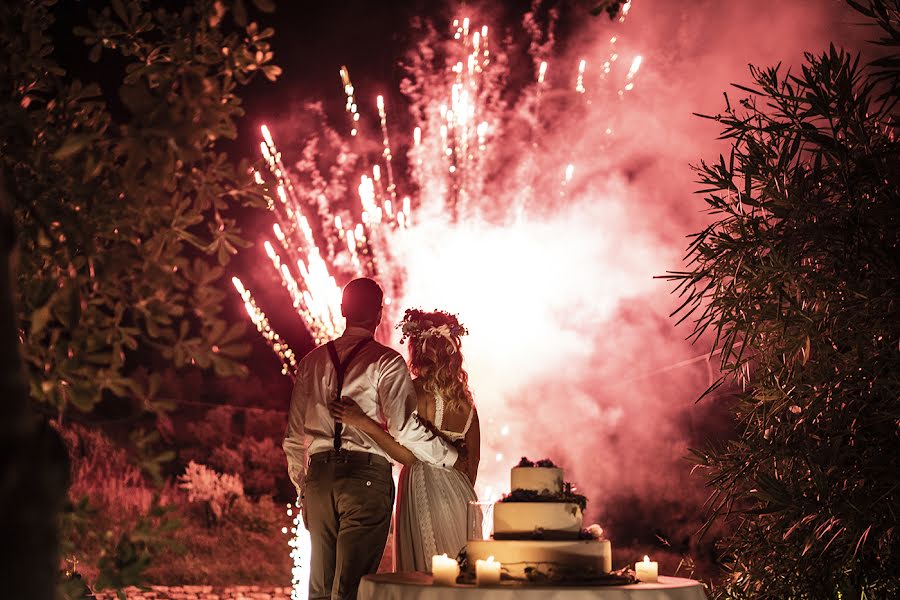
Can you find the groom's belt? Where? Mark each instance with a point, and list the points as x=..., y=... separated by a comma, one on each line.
x=349, y=457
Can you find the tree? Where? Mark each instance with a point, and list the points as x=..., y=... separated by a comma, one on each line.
x=798, y=279
x=612, y=8
x=122, y=196
x=121, y=202
x=33, y=458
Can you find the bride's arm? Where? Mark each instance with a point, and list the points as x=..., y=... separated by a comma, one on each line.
x=348, y=412
x=473, y=447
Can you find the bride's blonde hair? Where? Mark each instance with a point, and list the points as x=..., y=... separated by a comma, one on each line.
x=435, y=355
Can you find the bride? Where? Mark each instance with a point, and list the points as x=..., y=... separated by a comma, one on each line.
x=431, y=500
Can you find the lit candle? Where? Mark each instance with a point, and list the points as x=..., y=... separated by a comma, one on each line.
x=487, y=572
x=646, y=571
x=445, y=570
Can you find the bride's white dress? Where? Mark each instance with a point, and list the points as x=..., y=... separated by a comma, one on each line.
x=431, y=507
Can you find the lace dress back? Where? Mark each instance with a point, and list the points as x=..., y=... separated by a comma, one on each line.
x=454, y=436
x=431, y=507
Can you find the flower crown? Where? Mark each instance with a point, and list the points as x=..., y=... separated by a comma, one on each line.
x=421, y=325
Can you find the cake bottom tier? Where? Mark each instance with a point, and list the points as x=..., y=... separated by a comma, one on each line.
x=548, y=558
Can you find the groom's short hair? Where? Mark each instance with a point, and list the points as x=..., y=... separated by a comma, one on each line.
x=361, y=301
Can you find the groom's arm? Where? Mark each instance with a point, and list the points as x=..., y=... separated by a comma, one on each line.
x=397, y=397
x=295, y=437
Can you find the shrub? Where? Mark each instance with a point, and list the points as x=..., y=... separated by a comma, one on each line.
x=216, y=428
x=263, y=424
x=217, y=491
x=258, y=462
x=260, y=516
x=102, y=472
x=227, y=460
x=264, y=464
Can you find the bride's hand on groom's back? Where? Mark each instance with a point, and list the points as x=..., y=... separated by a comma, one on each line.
x=463, y=453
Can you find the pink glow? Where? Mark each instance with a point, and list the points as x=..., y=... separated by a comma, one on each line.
x=542, y=221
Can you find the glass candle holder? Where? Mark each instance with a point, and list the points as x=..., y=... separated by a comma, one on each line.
x=480, y=520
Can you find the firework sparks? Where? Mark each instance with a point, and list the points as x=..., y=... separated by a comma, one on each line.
x=635, y=65
x=350, y=107
x=300, y=545
x=258, y=318
x=579, y=81
x=320, y=239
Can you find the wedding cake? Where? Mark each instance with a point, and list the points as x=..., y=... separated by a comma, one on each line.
x=538, y=529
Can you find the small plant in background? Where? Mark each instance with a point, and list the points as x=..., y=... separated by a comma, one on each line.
x=102, y=472
x=256, y=461
x=261, y=516
x=217, y=491
x=122, y=550
x=233, y=439
x=115, y=522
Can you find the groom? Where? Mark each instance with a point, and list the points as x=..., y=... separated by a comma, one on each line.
x=347, y=492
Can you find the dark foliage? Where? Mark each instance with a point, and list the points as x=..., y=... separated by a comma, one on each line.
x=122, y=199
x=612, y=8
x=798, y=279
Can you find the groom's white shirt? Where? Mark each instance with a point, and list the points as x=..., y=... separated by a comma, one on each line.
x=379, y=381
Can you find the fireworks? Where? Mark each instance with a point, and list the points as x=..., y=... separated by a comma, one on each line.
x=355, y=218
x=300, y=546
x=579, y=82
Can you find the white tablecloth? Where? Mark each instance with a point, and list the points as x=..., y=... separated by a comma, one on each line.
x=418, y=586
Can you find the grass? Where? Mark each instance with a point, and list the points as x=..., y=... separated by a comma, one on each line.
x=224, y=555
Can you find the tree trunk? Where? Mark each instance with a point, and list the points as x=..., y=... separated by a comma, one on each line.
x=34, y=460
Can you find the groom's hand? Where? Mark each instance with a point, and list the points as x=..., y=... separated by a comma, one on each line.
x=303, y=513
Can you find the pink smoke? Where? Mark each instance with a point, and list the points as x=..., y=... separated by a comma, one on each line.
x=572, y=354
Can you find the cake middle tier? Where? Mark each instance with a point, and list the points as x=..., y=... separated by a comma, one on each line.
x=530, y=519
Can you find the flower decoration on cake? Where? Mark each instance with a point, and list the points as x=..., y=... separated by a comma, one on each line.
x=544, y=463
x=595, y=531
x=567, y=496
x=419, y=324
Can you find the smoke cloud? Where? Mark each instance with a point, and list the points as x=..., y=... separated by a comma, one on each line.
x=571, y=352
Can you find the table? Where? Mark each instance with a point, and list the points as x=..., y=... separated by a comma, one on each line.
x=418, y=586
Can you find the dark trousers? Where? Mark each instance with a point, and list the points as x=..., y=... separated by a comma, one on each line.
x=349, y=499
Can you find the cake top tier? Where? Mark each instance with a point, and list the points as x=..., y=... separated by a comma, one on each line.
x=538, y=477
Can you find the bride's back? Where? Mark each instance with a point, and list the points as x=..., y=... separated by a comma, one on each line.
x=454, y=419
